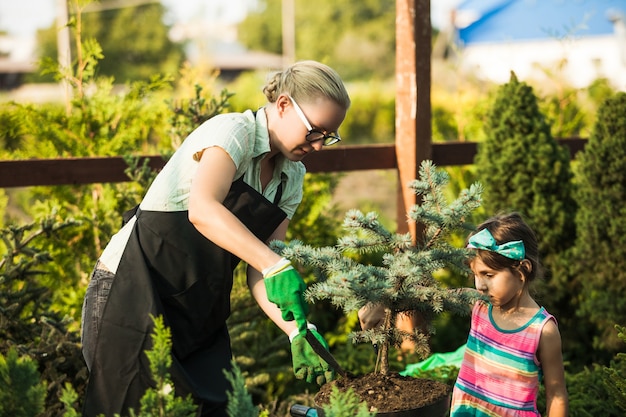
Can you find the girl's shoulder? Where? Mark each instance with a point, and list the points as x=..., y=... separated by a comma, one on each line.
x=480, y=306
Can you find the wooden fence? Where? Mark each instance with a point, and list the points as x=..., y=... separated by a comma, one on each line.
x=74, y=171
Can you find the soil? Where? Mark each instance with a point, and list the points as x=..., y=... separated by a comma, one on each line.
x=388, y=393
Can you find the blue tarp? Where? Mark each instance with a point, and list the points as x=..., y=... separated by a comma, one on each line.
x=513, y=20
x=436, y=360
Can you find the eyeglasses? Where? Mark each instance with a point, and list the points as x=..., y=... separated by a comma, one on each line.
x=315, y=135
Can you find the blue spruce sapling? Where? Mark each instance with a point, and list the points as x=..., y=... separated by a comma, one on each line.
x=405, y=281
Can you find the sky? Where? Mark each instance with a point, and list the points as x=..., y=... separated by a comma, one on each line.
x=24, y=17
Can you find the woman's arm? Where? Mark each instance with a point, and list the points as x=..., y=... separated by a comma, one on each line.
x=211, y=183
x=551, y=359
x=258, y=291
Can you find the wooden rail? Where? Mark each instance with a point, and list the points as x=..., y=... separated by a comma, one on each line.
x=74, y=171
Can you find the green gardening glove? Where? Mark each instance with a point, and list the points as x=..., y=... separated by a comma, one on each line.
x=285, y=288
x=307, y=364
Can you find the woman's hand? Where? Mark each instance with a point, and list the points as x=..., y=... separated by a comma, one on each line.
x=371, y=316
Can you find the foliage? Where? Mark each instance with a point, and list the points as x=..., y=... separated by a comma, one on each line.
x=239, y=401
x=600, y=245
x=346, y=403
x=21, y=293
x=95, y=121
x=563, y=113
x=158, y=401
x=524, y=169
x=21, y=393
x=587, y=395
x=100, y=122
x=615, y=375
x=316, y=219
x=371, y=118
x=135, y=38
x=27, y=322
x=597, y=390
x=161, y=400
x=69, y=399
x=11, y=130
x=355, y=35
x=404, y=283
x=562, y=108
x=255, y=32
x=191, y=113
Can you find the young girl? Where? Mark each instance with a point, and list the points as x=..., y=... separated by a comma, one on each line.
x=514, y=344
x=231, y=188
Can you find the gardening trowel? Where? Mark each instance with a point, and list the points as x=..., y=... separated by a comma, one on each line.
x=324, y=354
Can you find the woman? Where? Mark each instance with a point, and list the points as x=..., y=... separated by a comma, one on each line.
x=228, y=190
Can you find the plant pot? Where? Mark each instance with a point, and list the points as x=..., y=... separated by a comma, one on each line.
x=393, y=395
x=437, y=409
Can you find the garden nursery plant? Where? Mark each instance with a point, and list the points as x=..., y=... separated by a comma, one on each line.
x=404, y=283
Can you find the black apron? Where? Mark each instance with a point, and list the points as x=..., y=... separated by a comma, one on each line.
x=169, y=268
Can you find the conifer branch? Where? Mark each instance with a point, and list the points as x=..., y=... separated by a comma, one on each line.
x=404, y=281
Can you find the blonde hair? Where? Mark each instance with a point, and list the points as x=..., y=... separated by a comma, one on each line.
x=306, y=80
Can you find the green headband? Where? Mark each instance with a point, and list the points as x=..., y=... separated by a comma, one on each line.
x=484, y=240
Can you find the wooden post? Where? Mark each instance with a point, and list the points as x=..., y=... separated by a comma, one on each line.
x=413, y=108
x=64, y=48
x=289, y=32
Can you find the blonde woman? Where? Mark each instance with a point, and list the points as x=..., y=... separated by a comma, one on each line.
x=230, y=189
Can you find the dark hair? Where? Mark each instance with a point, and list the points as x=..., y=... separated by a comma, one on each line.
x=507, y=228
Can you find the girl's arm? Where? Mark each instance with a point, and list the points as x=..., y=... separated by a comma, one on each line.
x=211, y=183
x=371, y=316
x=551, y=359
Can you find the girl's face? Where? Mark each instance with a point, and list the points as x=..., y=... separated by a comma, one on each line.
x=503, y=287
x=290, y=133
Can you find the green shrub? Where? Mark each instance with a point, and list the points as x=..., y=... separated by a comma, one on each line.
x=346, y=404
x=601, y=225
x=523, y=168
x=615, y=375
x=21, y=393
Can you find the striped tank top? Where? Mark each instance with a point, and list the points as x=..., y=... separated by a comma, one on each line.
x=500, y=373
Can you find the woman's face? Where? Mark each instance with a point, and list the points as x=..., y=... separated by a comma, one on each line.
x=321, y=113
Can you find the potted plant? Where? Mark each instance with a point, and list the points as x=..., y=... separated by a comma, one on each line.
x=404, y=283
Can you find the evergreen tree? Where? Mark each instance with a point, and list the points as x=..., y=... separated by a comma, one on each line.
x=239, y=401
x=21, y=393
x=522, y=167
x=161, y=400
x=30, y=325
x=346, y=404
x=615, y=375
x=404, y=282
x=601, y=223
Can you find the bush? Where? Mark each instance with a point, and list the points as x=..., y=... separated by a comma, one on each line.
x=524, y=169
x=601, y=223
x=21, y=393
